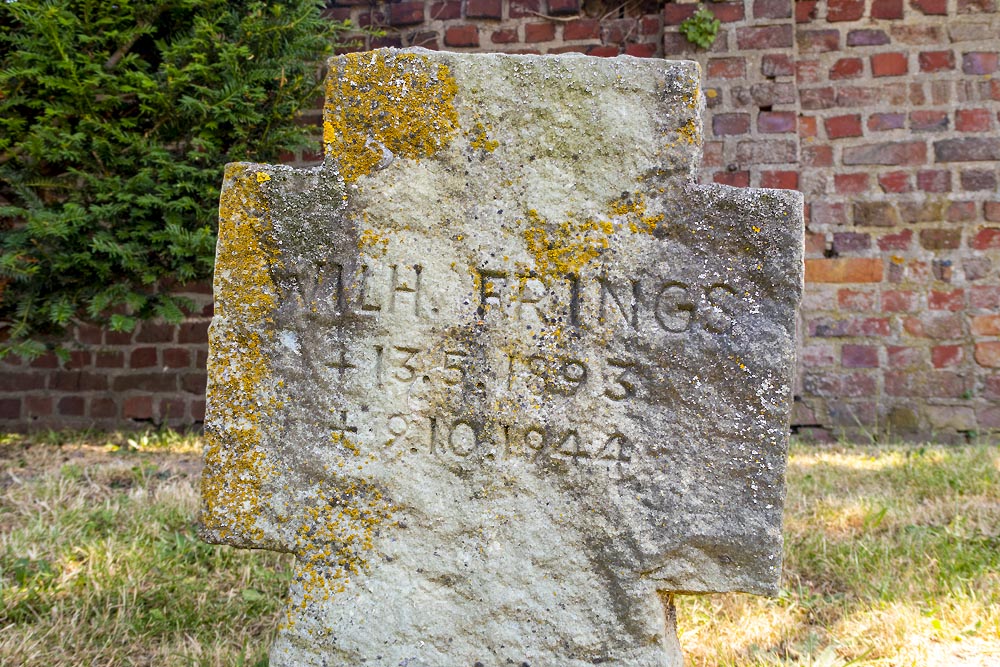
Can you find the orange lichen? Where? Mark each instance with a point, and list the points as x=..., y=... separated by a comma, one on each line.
x=479, y=138
x=400, y=103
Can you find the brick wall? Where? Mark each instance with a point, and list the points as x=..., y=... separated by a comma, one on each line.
x=885, y=113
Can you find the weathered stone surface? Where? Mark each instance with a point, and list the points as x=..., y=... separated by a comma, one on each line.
x=499, y=374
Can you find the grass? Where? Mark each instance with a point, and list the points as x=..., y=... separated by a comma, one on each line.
x=892, y=557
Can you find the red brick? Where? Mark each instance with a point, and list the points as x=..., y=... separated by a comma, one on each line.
x=142, y=357
x=198, y=411
x=805, y=10
x=928, y=121
x=445, y=11
x=937, y=384
x=850, y=184
x=988, y=354
x=891, y=153
x=764, y=37
x=776, y=64
x=604, y=51
x=889, y=64
x=774, y=122
x=934, y=7
x=847, y=68
x=539, y=32
x=972, y=120
x=817, y=156
x=936, y=61
x=171, y=409
x=176, y=357
x=737, y=179
x=641, y=50
x=807, y=126
x=838, y=127
x=898, y=241
x=109, y=359
x=844, y=270
x=828, y=213
x=880, y=122
x=617, y=31
x=938, y=326
x=88, y=334
x=844, y=10
x=887, y=9
x=934, y=180
x=676, y=13
x=156, y=382
x=461, y=35
x=980, y=62
x=899, y=301
x=895, y=181
x=71, y=406
x=851, y=242
x=78, y=381
x=986, y=239
x=991, y=211
x=857, y=300
x=103, y=408
x=978, y=180
x=817, y=41
x=946, y=356
x=484, y=9
x=985, y=325
x=953, y=300
x=194, y=383
x=193, y=332
x=811, y=99
x=813, y=356
x=859, y=356
x=583, y=29
x=772, y=9
x=976, y=6
x=406, y=13
x=650, y=25
x=138, y=407
x=960, y=211
x=984, y=296
x=899, y=356
x=506, y=36
x=726, y=68
x=10, y=408
x=781, y=180
x=940, y=239
x=38, y=406
x=729, y=12
x=564, y=6
x=725, y=124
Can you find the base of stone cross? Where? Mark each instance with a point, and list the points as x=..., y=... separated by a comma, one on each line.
x=307, y=645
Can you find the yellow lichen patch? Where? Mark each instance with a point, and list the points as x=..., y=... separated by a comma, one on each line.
x=402, y=103
x=239, y=375
x=479, y=138
x=633, y=209
x=564, y=248
x=689, y=132
x=372, y=243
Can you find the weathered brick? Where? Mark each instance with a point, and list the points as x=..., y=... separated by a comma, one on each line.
x=988, y=354
x=900, y=240
x=138, y=407
x=828, y=213
x=936, y=61
x=932, y=7
x=889, y=64
x=772, y=122
x=976, y=267
x=676, y=13
x=506, y=36
x=805, y=10
x=850, y=184
x=979, y=62
x=764, y=37
x=859, y=356
x=817, y=355
x=737, y=179
x=176, y=357
x=171, y=409
x=876, y=214
x=976, y=6
x=777, y=64
x=844, y=270
x=772, y=9
x=847, y=68
x=901, y=356
x=728, y=12
x=857, y=300
x=940, y=239
x=641, y=50
x=726, y=124
x=880, y=122
x=973, y=120
x=939, y=326
x=484, y=9
x=867, y=37
x=582, y=29
x=808, y=126
x=985, y=325
x=193, y=332
x=960, y=211
x=975, y=180
x=604, y=51
x=539, y=32
x=887, y=9
x=812, y=99
x=838, y=127
x=895, y=182
x=767, y=151
x=817, y=41
x=946, y=356
x=991, y=211
x=924, y=120
x=986, y=239
x=446, y=11
x=559, y=7
x=844, y=10
x=937, y=384
x=103, y=407
x=848, y=242
x=405, y=13
x=934, y=180
x=461, y=36
x=967, y=149
x=38, y=406
x=899, y=301
x=890, y=153
x=726, y=68
x=781, y=180
x=952, y=300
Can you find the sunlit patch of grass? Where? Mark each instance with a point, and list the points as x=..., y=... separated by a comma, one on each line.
x=100, y=562
x=891, y=558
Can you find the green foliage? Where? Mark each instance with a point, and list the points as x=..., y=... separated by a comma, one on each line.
x=115, y=122
x=701, y=28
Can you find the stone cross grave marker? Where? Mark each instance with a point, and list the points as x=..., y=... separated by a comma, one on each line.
x=498, y=373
